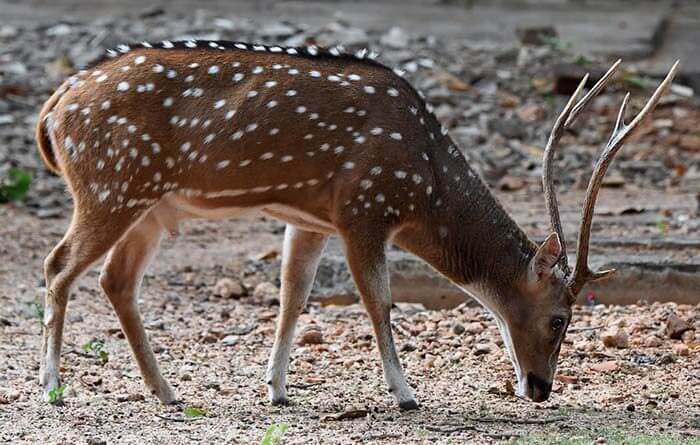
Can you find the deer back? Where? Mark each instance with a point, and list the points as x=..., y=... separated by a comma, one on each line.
x=234, y=125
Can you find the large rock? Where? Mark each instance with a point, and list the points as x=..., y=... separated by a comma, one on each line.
x=395, y=38
x=311, y=335
x=616, y=338
x=676, y=326
x=228, y=288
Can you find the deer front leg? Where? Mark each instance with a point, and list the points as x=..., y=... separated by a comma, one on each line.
x=121, y=279
x=367, y=261
x=301, y=254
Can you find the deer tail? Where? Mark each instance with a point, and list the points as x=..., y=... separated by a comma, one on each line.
x=43, y=138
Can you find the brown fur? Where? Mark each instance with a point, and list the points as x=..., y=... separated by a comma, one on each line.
x=406, y=183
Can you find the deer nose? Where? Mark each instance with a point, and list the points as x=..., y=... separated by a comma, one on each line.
x=538, y=389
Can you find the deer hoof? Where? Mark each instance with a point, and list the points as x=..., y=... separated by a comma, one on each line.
x=279, y=401
x=165, y=394
x=408, y=405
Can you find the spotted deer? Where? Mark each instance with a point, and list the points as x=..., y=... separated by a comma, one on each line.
x=328, y=142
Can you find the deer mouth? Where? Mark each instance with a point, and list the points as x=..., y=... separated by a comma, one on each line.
x=537, y=388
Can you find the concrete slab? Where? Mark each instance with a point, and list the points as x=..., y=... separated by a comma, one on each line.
x=641, y=276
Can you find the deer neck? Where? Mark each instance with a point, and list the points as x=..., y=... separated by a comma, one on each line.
x=468, y=236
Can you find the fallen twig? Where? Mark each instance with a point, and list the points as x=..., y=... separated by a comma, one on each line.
x=383, y=436
x=449, y=429
x=446, y=429
x=516, y=420
x=306, y=385
x=178, y=419
x=346, y=415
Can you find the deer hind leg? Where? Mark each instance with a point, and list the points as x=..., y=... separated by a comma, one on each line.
x=300, y=257
x=85, y=242
x=367, y=262
x=121, y=280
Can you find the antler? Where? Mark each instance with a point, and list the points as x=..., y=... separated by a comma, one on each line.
x=566, y=118
x=582, y=274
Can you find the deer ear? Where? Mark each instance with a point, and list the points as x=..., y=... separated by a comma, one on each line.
x=546, y=257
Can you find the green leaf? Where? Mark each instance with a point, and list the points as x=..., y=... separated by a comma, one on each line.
x=274, y=434
x=662, y=226
x=582, y=60
x=637, y=81
x=56, y=395
x=96, y=348
x=555, y=42
x=191, y=411
x=14, y=185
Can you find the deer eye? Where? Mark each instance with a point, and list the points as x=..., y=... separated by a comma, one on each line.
x=557, y=324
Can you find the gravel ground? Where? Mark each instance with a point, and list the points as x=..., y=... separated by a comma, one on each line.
x=214, y=351
x=498, y=103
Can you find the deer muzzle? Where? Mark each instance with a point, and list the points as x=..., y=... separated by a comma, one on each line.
x=537, y=389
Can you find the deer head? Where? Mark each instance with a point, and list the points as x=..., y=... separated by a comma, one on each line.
x=534, y=322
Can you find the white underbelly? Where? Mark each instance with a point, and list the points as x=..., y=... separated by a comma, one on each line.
x=174, y=208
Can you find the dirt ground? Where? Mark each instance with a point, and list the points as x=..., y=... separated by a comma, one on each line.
x=499, y=102
x=214, y=352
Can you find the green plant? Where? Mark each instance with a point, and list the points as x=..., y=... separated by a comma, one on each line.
x=96, y=347
x=556, y=43
x=581, y=60
x=274, y=434
x=14, y=184
x=638, y=82
x=192, y=411
x=662, y=226
x=56, y=395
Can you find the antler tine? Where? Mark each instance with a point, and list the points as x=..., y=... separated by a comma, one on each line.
x=582, y=273
x=550, y=197
x=602, y=83
x=571, y=111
